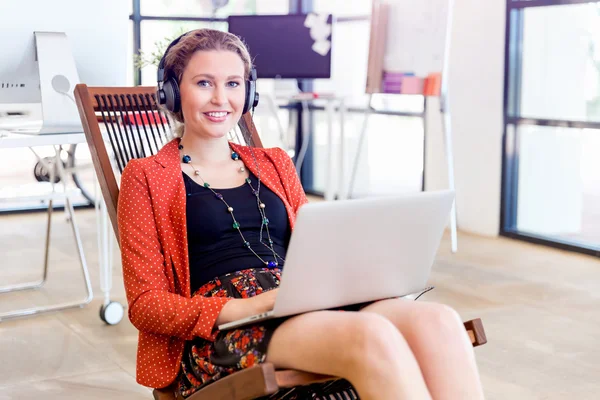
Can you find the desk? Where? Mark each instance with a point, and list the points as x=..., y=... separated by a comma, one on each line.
x=14, y=140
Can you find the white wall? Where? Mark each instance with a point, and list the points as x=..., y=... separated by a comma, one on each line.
x=476, y=102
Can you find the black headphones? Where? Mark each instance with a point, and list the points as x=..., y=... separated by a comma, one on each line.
x=168, y=90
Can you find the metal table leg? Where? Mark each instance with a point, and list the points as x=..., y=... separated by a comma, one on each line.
x=37, y=284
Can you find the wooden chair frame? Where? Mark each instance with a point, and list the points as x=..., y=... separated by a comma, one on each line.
x=255, y=382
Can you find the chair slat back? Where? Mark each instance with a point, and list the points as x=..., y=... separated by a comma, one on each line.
x=135, y=126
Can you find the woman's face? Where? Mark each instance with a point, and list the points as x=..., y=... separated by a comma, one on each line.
x=212, y=92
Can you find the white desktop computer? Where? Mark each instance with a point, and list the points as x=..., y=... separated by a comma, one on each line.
x=46, y=48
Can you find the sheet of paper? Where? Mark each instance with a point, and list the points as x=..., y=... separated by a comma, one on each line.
x=322, y=47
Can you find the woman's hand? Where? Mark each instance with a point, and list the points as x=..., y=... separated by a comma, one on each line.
x=265, y=301
x=241, y=308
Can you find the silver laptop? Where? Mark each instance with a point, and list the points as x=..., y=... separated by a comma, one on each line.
x=355, y=251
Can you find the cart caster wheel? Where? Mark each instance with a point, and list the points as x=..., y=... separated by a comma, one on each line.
x=112, y=313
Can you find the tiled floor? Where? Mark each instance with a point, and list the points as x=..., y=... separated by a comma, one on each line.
x=540, y=308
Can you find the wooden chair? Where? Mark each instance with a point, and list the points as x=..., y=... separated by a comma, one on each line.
x=134, y=127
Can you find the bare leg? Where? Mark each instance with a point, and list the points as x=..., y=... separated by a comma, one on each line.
x=438, y=340
x=364, y=348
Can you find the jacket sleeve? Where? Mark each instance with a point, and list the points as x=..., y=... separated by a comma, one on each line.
x=292, y=184
x=153, y=307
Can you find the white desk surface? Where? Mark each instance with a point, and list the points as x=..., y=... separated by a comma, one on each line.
x=14, y=140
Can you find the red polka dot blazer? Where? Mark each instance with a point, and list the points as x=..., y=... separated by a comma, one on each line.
x=153, y=238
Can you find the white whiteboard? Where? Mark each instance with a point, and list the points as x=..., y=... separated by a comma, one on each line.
x=416, y=36
x=408, y=36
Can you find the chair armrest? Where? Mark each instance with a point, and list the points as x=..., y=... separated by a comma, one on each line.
x=476, y=332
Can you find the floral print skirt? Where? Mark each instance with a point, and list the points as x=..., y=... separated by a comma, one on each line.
x=205, y=362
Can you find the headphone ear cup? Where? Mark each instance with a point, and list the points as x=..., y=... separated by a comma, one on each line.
x=160, y=96
x=251, y=96
x=256, y=99
x=247, y=99
x=171, y=95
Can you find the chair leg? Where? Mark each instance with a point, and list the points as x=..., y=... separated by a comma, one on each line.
x=37, y=284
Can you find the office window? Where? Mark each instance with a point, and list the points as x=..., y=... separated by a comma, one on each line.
x=197, y=8
x=551, y=185
x=559, y=183
x=272, y=7
x=130, y=59
x=343, y=8
x=561, y=62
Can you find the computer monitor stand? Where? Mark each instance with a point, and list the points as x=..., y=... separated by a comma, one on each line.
x=58, y=77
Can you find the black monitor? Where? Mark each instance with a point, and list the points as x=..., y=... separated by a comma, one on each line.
x=281, y=46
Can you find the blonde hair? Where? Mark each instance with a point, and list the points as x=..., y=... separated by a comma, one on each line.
x=180, y=54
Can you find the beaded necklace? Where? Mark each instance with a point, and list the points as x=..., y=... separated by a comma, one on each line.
x=186, y=159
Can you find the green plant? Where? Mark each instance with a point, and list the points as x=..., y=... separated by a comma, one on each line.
x=143, y=59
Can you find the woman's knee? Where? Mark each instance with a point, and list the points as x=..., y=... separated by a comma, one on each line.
x=435, y=318
x=341, y=344
x=374, y=339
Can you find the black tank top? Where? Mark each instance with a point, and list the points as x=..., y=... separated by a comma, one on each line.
x=215, y=247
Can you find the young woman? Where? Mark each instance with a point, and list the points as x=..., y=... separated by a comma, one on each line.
x=204, y=227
